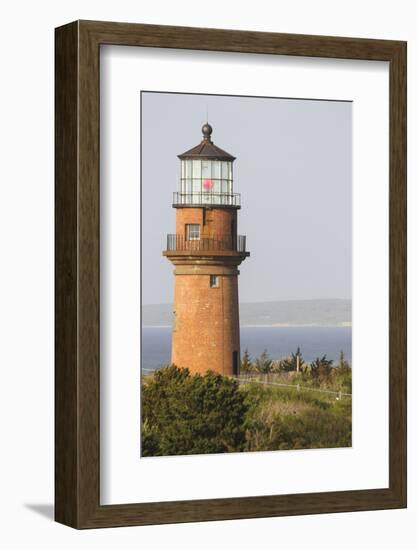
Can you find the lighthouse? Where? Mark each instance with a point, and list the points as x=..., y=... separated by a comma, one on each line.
x=206, y=252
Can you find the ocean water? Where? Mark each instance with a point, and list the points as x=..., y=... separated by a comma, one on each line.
x=278, y=341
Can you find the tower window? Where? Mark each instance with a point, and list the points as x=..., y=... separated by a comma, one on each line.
x=214, y=281
x=192, y=231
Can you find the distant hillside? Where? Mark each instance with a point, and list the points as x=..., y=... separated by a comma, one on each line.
x=285, y=313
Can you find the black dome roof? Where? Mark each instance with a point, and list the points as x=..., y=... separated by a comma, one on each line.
x=206, y=150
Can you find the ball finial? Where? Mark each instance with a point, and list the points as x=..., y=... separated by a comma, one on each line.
x=207, y=130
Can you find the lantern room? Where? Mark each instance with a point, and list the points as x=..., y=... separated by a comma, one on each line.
x=206, y=176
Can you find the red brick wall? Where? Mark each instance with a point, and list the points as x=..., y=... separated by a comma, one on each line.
x=187, y=215
x=206, y=330
x=218, y=221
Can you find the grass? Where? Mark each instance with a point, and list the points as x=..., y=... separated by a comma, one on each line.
x=284, y=418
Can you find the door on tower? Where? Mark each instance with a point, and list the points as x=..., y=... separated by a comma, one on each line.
x=235, y=363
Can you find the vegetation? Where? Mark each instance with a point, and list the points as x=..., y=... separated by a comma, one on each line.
x=263, y=363
x=321, y=369
x=281, y=418
x=210, y=413
x=293, y=363
x=246, y=362
x=191, y=414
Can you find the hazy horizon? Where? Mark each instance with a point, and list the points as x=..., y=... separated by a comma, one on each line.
x=327, y=312
x=267, y=301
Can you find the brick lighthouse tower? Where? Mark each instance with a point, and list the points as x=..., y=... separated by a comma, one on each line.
x=206, y=252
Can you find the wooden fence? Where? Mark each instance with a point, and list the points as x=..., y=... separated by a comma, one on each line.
x=268, y=380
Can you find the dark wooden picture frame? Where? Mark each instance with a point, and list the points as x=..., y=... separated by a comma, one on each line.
x=77, y=374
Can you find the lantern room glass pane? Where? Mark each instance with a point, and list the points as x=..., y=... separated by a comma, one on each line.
x=225, y=170
x=196, y=168
x=205, y=169
x=216, y=170
x=188, y=168
x=186, y=186
x=216, y=186
x=196, y=186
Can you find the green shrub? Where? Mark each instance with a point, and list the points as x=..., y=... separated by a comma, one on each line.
x=263, y=363
x=290, y=364
x=246, y=362
x=191, y=414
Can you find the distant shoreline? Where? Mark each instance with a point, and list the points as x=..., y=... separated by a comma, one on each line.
x=281, y=314
x=277, y=325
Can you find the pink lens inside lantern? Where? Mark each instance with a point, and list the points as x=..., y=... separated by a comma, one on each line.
x=208, y=184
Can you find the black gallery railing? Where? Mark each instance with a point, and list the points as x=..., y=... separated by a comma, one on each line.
x=208, y=198
x=211, y=243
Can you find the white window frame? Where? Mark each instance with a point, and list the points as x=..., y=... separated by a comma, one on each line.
x=192, y=231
